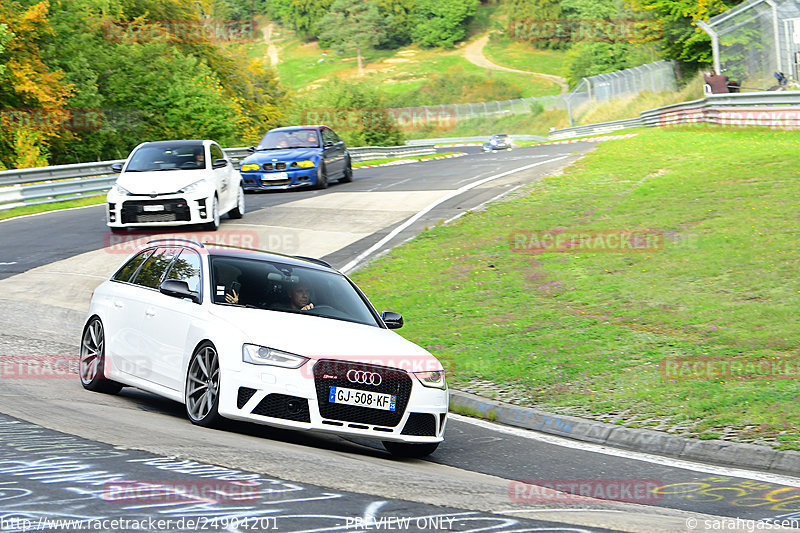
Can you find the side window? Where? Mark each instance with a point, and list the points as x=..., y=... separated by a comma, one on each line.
x=154, y=267
x=327, y=136
x=187, y=268
x=216, y=153
x=335, y=137
x=125, y=273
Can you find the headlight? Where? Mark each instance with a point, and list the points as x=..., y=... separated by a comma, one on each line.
x=249, y=167
x=119, y=189
x=433, y=379
x=305, y=164
x=192, y=186
x=261, y=355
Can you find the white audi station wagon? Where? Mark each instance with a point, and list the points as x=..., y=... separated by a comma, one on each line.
x=173, y=183
x=262, y=337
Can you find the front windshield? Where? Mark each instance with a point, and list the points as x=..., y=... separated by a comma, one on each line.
x=286, y=139
x=181, y=157
x=275, y=286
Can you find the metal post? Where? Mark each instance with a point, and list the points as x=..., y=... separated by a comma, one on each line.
x=714, y=43
x=776, y=32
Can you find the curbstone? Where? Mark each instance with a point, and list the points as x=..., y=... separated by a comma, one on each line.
x=736, y=454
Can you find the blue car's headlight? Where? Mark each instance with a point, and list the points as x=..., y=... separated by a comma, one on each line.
x=248, y=167
x=306, y=163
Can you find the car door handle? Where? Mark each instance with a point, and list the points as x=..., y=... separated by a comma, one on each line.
x=150, y=312
x=118, y=304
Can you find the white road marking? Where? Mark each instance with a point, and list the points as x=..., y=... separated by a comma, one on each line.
x=628, y=454
x=461, y=214
x=50, y=212
x=9, y=263
x=378, y=245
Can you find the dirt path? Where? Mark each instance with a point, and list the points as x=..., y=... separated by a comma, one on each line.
x=272, y=50
x=473, y=53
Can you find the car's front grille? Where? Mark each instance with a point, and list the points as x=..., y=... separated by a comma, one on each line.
x=329, y=373
x=280, y=166
x=420, y=425
x=284, y=406
x=271, y=183
x=137, y=211
x=269, y=167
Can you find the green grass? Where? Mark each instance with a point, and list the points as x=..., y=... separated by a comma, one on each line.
x=522, y=56
x=413, y=157
x=585, y=332
x=41, y=208
x=521, y=124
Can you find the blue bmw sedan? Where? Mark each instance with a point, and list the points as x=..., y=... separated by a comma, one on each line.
x=297, y=156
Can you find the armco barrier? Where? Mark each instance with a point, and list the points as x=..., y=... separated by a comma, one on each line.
x=774, y=109
x=29, y=186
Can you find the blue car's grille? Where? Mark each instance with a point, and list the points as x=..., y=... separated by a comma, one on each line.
x=274, y=166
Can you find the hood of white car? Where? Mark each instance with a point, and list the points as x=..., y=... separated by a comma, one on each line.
x=319, y=338
x=159, y=182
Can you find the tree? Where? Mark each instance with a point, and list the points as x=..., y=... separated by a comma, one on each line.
x=442, y=22
x=353, y=24
x=674, y=26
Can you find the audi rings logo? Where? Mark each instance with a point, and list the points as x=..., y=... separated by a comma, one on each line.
x=364, y=378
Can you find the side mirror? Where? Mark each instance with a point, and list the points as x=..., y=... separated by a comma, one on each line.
x=251, y=149
x=392, y=320
x=219, y=163
x=178, y=289
x=117, y=167
x=327, y=144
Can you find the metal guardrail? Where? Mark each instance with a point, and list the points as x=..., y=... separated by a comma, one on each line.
x=365, y=153
x=761, y=108
x=30, y=186
x=482, y=139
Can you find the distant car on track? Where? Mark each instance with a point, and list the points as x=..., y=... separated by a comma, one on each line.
x=266, y=338
x=297, y=156
x=171, y=183
x=499, y=141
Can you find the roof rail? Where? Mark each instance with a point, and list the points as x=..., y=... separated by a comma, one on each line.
x=315, y=260
x=177, y=239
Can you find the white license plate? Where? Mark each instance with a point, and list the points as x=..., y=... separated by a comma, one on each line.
x=362, y=398
x=152, y=208
x=274, y=176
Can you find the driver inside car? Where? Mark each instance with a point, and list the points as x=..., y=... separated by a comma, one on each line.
x=300, y=297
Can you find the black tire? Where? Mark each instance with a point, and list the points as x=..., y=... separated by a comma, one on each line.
x=410, y=450
x=202, y=379
x=91, y=368
x=322, y=177
x=238, y=211
x=214, y=224
x=348, y=172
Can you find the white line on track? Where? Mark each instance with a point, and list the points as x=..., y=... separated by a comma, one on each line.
x=50, y=212
x=628, y=454
x=8, y=263
x=378, y=245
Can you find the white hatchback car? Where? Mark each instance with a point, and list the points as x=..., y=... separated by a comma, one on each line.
x=267, y=338
x=171, y=183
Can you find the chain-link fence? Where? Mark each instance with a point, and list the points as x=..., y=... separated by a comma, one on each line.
x=656, y=77
x=756, y=39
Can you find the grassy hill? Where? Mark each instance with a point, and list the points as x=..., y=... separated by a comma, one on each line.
x=589, y=333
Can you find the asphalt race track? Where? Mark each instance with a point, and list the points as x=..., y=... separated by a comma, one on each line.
x=66, y=453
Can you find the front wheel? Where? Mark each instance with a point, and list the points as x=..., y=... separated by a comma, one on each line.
x=238, y=211
x=348, y=172
x=202, y=386
x=410, y=450
x=214, y=224
x=322, y=176
x=93, y=360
